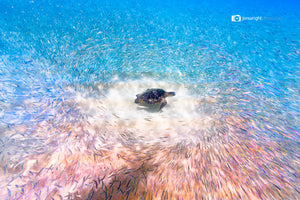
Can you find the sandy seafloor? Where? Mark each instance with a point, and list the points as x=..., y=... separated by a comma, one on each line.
x=69, y=74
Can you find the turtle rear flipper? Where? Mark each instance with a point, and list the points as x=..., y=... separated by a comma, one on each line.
x=163, y=104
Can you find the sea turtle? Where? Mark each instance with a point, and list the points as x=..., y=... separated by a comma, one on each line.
x=153, y=96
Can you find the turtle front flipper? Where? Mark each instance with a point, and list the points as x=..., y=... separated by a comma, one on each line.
x=163, y=104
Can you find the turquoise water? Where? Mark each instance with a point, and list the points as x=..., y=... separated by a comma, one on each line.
x=60, y=62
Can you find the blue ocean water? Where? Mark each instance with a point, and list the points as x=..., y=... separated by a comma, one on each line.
x=47, y=45
x=53, y=51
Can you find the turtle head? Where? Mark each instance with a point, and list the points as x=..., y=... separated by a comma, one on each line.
x=170, y=94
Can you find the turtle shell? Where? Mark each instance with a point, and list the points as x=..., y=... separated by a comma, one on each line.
x=152, y=96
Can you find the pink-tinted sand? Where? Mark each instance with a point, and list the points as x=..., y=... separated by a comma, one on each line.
x=236, y=167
